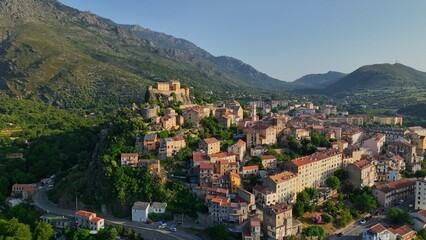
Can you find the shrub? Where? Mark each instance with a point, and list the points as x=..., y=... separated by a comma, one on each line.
x=327, y=218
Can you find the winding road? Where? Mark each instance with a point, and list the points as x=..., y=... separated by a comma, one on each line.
x=147, y=231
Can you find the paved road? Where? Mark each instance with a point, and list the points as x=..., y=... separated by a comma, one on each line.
x=147, y=231
x=354, y=230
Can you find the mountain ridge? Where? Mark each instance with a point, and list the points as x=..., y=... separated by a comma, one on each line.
x=320, y=80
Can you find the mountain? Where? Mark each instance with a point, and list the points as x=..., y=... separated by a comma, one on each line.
x=229, y=66
x=381, y=77
x=320, y=80
x=53, y=53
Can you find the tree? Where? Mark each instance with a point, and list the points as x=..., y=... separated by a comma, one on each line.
x=13, y=229
x=314, y=231
x=327, y=218
x=108, y=233
x=81, y=234
x=398, y=216
x=332, y=182
x=365, y=202
x=422, y=234
x=341, y=174
x=298, y=209
x=312, y=192
x=42, y=231
x=218, y=232
x=344, y=218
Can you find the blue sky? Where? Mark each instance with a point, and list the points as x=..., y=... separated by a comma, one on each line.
x=285, y=39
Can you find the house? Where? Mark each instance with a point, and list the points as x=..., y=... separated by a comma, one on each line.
x=248, y=197
x=261, y=134
x=419, y=219
x=389, y=166
x=250, y=170
x=170, y=146
x=268, y=161
x=195, y=114
x=389, y=193
x=221, y=209
x=234, y=182
x=278, y=222
x=56, y=221
x=362, y=173
x=157, y=207
x=12, y=202
x=284, y=184
x=85, y=219
x=402, y=233
x=205, y=171
x=375, y=143
x=264, y=196
x=140, y=211
x=130, y=159
x=210, y=145
x=239, y=149
x=150, y=142
x=251, y=230
x=24, y=191
x=376, y=232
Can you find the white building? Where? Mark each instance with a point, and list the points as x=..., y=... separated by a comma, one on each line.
x=140, y=211
x=420, y=193
x=157, y=207
x=376, y=232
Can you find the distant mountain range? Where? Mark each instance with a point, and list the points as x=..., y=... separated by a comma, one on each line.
x=69, y=58
x=320, y=80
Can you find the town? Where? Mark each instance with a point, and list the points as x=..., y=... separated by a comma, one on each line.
x=271, y=169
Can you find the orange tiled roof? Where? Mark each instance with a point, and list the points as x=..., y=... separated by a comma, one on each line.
x=363, y=164
x=85, y=213
x=378, y=228
x=401, y=231
x=204, y=165
x=315, y=157
x=211, y=140
x=96, y=219
x=240, y=143
x=405, y=182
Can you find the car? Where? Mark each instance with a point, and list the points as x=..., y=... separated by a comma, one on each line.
x=410, y=205
x=161, y=226
x=340, y=234
x=362, y=221
x=148, y=221
x=400, y=201
x=173, y=229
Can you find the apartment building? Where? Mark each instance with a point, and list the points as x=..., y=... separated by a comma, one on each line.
x=389, y=166
x=314, y=169
x=376, y=232
x=261, y=134
x=278, y=222
x=385, y=120
x=420, y=195
x=375, y=143
x=221, y=209
x=251, y=230
x=285, y=185
x=130, y=159
x=239, y=149
x=362, y=173
x=390, y=193
x=264, y=196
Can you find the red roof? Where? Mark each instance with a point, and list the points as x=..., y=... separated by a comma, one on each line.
x=363, y=164
x=401, y=231
x=315, y=157
x=86, y=214
x=204, y=165
x=240, y=143
x=96, y=219
x=251, y=167
x=211, y=140
x=267, y=157
x=378, y=228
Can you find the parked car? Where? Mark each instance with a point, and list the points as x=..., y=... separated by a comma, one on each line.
x=340, y=234
x=400, y=201
x=148, y=221
x=362, y=221
x=173, y=229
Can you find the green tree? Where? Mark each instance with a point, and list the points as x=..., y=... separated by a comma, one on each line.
x=312, y=192
x=344, y=218
x=107, y=233
x=314, y=231
x=218, y=232
x=341, y=174
x=422, y=234
x=399, y=216
x=42, y=231
x=365, y=202
x=298, y=209
x=14, y=230
x=332, y=182
x=81, y=234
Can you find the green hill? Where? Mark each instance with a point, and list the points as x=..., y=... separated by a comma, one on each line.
x=391, y=77
x=320, y=80
x=57, y=54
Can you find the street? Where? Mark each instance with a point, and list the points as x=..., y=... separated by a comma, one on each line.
x=147, y=231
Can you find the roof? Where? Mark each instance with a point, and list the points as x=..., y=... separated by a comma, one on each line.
x=96, y=219
x=267, y=157
x=221, y=155
x=178, y=138
x=206, y=165
x=140, y=205
x=150, y=137
x=211, y=140
x=125, y=155
x=158, y=205
x=362, y=164
x=254, y=222
x=280, y=207
x=240, y=143
x=25, y=187
x=318, y=156
x=199, y=156
x=282, y=177
x=251, y=167
x=402, y=183
x=401, y=231
x=378, y=228
x=85, y=213
x=55, y=217
x=422, y=212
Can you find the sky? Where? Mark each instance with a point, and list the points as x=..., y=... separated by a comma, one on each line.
x=285, y=39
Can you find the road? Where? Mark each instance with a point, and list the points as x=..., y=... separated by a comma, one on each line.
x=147, y=231
x=354, y=230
